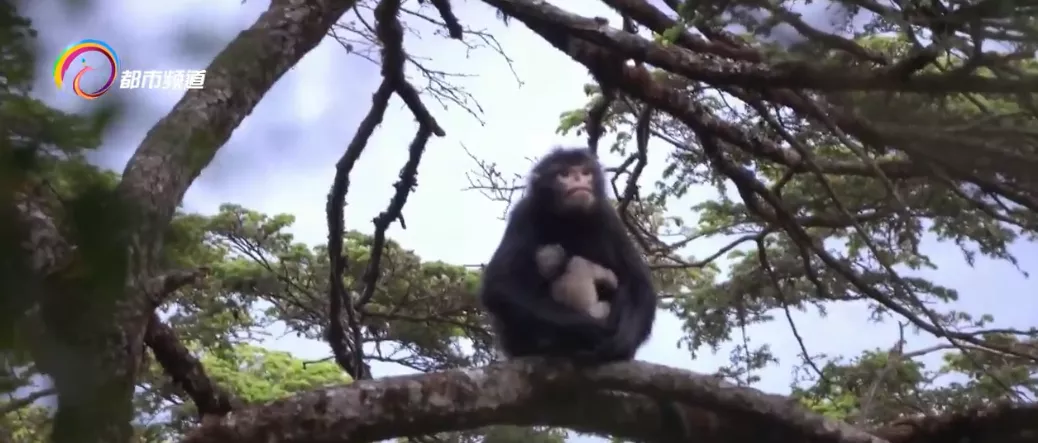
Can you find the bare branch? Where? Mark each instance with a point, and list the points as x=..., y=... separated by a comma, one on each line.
x=349, y=353
x=446, y=12
x=338, y=297
x=596, y=114
x=19, y=403
x=404, y=187
x=187, y=372
x=641, y=158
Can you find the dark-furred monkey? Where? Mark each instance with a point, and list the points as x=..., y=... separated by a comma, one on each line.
x=565, y=204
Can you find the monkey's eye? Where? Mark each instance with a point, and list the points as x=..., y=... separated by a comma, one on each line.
x=585, y=171
x=564, y=173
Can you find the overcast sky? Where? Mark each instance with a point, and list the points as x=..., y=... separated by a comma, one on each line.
x=281, y=159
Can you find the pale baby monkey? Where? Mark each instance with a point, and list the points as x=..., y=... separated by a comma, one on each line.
x=578, y=285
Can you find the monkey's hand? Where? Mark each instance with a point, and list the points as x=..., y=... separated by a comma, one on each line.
x=605, y=278
x=549, y=259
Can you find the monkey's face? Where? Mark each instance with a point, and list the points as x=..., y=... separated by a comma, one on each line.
x=575, y=186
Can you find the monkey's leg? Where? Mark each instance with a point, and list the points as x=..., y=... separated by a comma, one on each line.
x=592, y=275
x=576, y=288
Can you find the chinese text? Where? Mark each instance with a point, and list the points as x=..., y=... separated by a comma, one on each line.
x=170, y=79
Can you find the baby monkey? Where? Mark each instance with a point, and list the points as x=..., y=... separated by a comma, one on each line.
x=576, y=286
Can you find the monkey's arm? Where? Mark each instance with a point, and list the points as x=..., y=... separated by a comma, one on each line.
x=634, y=304
x=602, y=275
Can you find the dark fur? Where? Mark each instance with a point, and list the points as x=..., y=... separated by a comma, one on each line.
x=526, y=319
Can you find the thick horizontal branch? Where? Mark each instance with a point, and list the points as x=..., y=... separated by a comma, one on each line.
x=785, y=74
x=624, y=400
x=1001, y=423
x=531, y=392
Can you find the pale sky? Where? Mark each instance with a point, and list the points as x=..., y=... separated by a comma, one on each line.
x=281, y=159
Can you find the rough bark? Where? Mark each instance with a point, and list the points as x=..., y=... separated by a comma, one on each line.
x=1003, y=423
x=616, y=400
x=100, y=363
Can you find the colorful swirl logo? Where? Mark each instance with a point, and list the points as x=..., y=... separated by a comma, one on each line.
x=76, y=52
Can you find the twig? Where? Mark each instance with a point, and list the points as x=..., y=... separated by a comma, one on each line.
x=596, y=114
x=765, y=264
x=406, y=184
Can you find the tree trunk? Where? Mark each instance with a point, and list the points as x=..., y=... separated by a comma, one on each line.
x=92, y=338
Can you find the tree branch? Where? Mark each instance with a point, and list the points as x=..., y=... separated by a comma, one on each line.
x=787, y=74
x=159, y=288
x=349, y=352
x=532, y=392
x=18, y=403
x=187, y=372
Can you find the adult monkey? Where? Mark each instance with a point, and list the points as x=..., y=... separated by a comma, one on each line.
x=565, y=204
